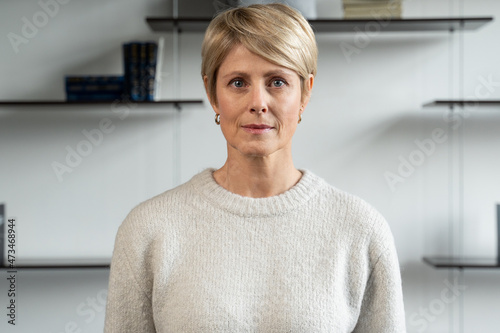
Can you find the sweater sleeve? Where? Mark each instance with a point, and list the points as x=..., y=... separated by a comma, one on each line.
x=382, y=308
x=128, y=308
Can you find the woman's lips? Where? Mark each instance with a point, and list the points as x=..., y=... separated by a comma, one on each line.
x=257, y=128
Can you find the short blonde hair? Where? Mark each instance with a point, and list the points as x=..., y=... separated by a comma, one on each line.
x=276, y=32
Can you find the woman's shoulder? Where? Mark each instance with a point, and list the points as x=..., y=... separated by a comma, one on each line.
x=354, y=210
x=160, y=210
x=361, y=220
x=336, y=196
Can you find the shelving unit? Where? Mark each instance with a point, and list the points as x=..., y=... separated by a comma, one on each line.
x=67, y=263
x=456, y=261
x=69, y=103
x=468, y=262
x=168, y=24
x=186, y=24
x=462, y=263
x=83, y=266
x=461, y=103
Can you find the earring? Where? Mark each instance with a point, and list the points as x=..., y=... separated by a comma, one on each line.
x=217, y=119
x=300, y=114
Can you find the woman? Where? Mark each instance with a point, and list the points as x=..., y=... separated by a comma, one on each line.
x=257, y=245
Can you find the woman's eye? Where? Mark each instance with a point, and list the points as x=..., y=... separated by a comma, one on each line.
x=278, y=83
x=238, y=83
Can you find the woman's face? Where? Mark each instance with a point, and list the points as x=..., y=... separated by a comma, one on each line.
x=259, y=103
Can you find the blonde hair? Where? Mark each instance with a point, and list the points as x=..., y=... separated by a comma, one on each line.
x=276, y=32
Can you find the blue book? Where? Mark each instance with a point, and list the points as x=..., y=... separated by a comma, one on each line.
x=127, y=91
x=139, y=63
x=95, y=97
x=150, y=78
x=94, y=84
x=133, y=65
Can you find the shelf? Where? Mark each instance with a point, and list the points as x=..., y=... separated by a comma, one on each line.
x=461, y=263
x=451, y=103
x=56, y=267
x=60, y=264
x=63, y=103
x=164, y=24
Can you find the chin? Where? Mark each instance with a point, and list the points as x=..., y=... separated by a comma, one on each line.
x=255, y=151
x=256, y=154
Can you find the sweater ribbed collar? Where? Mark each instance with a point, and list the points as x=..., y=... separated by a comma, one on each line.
x=293, y=199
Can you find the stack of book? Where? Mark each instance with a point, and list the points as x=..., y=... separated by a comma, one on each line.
x=138, y=83
x=94, y=88
x=360, y=9
x=139, y=59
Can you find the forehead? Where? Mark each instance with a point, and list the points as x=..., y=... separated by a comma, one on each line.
x=240, y=59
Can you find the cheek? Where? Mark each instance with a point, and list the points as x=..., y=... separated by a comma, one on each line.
x=287, y=123
x=226, y=110
x=229, y=116
x=291, y=119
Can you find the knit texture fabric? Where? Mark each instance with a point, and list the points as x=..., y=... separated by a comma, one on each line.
x=199, y=258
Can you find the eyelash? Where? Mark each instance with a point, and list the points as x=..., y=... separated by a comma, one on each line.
x=279, y=79
x=232, y=82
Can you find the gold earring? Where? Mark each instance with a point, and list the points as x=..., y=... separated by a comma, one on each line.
x=217, y=119
x=300, y=114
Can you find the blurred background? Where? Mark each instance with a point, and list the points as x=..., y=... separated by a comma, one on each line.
x=431, y=171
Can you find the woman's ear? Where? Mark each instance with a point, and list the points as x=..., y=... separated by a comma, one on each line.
x=308, y=86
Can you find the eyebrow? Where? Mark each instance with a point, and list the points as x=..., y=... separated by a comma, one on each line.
x=278, y=72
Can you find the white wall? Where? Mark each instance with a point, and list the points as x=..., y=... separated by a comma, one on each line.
x=366, y=113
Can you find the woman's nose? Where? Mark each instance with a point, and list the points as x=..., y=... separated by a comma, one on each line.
x=258, y=102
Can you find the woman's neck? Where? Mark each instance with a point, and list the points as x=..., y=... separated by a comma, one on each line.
x=257, y=177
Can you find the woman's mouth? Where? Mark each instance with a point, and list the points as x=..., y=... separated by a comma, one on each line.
x=257, y=128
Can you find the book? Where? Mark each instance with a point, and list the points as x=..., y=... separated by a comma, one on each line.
x=143, y=59
x=133, y=65
x=140, y=63
x=372, y=13
x=372, y=8
x=158, y=69
x=138, y=82
x=94, y=97
x=91, y=88
x=92, y=84
x=150, y=71
x=127, y=91
x=370, y=2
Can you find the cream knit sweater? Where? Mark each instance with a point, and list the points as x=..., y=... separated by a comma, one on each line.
x=199, y=258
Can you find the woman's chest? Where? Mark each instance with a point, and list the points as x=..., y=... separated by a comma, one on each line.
x=256, y=291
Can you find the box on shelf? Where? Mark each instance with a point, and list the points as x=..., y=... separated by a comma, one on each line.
x=361, y=9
